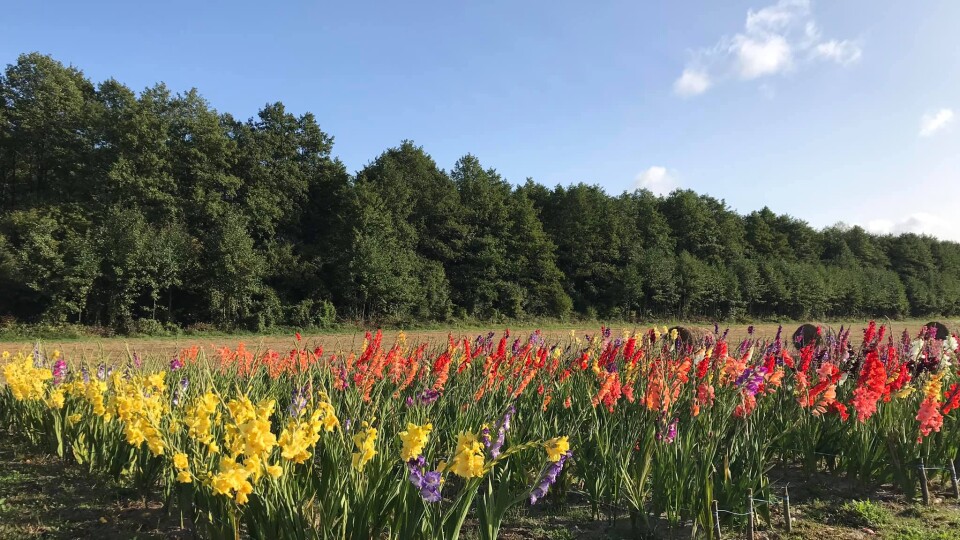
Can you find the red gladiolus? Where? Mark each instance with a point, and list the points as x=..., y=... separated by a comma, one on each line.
x=806, y=356
x=840, y=409
x=929, y=417
x=746, y=407
x=870, y=387
x=952, y=400
x=702, y=367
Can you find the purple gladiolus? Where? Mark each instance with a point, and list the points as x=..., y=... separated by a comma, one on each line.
x=429, y=395
x=426, y=397
x=502, y=429
x=671, y=433
x=485, y=437
x=751, y=379
x=548, y=479
x=180, y=390
x=137, y=361
x=176, y=364
x=427, y=482
x=298, y=402
x=102, y=372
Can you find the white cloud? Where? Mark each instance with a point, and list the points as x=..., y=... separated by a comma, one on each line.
x=947, y=228
x=766, y=56
x=880, y=226
x=775, y=40
x=843, y=52
x=692, y=82
x=932, y=123
x=658, y=180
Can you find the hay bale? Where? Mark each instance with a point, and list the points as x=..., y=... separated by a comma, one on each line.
x=808, y=333
x=688, y=336
x=938, y=330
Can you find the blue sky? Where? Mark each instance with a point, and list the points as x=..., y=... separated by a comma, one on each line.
x=830, y=111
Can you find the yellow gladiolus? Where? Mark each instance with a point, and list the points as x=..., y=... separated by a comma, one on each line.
x=414, y=439
x=556, y=447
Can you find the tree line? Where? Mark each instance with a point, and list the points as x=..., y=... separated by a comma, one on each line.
x=137, y=209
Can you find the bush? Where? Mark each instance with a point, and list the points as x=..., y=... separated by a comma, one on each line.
x=149, y=327
x=312, y=314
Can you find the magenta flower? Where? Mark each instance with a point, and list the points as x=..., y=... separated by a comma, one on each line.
x=59, y=371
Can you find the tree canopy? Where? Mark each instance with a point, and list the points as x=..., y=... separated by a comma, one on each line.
x=135, y=209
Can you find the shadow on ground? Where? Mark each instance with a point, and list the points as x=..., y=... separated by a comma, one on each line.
x=43, y=497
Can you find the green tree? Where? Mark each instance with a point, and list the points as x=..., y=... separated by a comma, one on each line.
x=232, y=273
x=385, y=280
x=47, y=134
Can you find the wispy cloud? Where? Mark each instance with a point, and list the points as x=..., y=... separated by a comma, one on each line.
x=657, y=179
x=842, y=52
x=931, y=123
x=776, y=39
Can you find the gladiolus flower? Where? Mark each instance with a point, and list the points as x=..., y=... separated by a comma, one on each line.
x=556, y=447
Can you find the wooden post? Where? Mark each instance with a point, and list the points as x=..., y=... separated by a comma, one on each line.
x=716, y=520
x=924, y=488
x=788, y=521
x=750, y=523
x=953, y=480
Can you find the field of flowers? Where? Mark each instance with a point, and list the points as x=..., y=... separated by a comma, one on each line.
x=406, y=440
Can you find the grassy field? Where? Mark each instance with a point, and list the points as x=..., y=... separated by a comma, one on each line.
x=350, y=339
x=43, y=497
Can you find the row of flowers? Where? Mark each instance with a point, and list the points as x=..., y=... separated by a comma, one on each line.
x=408, y=440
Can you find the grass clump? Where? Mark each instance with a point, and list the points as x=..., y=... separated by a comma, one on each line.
x=864, y=513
